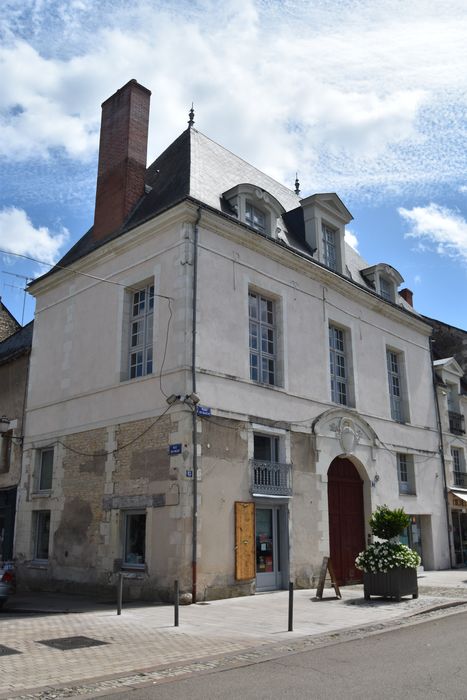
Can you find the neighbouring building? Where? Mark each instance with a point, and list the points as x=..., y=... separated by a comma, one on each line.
x=451, y=383
x=221, y=389
x=14, y=363
x=8, y=323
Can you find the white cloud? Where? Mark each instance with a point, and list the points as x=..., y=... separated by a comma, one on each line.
x=443, y=228
x=19, y=236
x=351, y=239
x=363, y=102
x=463, y=189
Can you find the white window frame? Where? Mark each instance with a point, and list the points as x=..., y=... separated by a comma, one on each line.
x=406, y=474
x=39, y=516
x=141, y=331
x=255, y=207
x=263, y=339
x=127, y=557
x=386, y=288
x=396, y=385
x=42, y=454
x=339, y=365
x=255, y=217
x=330, y=252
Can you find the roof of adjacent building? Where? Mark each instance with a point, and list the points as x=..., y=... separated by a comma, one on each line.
x=17, y=344
x=8, y=323
x=195, y=167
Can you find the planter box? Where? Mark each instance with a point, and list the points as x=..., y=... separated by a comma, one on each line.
x=392, y=584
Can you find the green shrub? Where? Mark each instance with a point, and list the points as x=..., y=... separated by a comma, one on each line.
x=387, y=523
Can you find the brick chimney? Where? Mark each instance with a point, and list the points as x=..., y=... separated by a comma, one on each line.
x=407, y=295
x=122, y=157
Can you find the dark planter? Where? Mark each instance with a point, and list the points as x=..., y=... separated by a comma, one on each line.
x=392, y=584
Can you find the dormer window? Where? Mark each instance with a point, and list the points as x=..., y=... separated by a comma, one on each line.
x=384, y=279
x=325, y=217
x=254, y=207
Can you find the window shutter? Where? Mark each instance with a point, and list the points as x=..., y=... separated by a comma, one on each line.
x=245, y=568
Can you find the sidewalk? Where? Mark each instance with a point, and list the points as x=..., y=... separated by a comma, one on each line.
x=143, y=638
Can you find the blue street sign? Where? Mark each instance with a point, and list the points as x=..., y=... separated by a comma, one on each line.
x=203, y=411
x=175, y=449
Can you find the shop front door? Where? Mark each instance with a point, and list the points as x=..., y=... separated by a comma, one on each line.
x=346, y=519
x=269, y=547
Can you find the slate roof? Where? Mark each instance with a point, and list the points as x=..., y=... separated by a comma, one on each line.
x=17, y=344
x=195, y=167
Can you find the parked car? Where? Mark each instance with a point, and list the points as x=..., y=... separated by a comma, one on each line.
x=7, y=581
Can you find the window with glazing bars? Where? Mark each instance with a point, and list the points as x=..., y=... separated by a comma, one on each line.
x=395, y=385
x=457, y=466
x=141, y=331
x=385, y=288
x=262, y=339
x=329, y=247
x=405, y=473
x=338, y=366
x=255, y=217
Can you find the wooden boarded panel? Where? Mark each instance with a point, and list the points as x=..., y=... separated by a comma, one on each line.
x=245, y=561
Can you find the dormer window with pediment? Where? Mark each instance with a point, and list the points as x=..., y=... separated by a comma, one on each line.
x=384, y=279
x=255, y=207
x=325, y=217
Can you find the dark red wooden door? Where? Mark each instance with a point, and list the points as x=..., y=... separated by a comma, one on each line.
x=346, y=519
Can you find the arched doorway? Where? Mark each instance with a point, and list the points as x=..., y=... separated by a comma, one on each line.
x=346, y=519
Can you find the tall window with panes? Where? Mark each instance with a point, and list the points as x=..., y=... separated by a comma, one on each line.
x=405, y=473
x=255, y=218
x=141, y=332
x=263, y=339
x=329, y=247
x=458, y=467
x=395, y=385
x=338, y=366
x=385, y=288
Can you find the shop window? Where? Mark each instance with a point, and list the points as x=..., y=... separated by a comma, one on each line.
x=42, y=535
x=134, y=543
x=406, y=474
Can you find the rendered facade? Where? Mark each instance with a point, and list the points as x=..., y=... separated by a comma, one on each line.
x=221, y=390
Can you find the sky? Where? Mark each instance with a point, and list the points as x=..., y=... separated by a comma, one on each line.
x=367, y=99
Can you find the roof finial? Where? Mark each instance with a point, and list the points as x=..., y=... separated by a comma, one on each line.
x=297, y=185
x=191, y=114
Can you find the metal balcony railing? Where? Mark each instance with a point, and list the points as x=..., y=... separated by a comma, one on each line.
x=456, y=423
x=271, y=478
x=460, y=479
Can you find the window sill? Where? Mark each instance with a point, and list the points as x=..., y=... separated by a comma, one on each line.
x=38, y=564
x=41, y=494
x=407, y=493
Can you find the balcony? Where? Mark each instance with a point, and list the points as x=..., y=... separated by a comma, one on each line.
x=271, y=478
x=460, y=479
x=456, y=423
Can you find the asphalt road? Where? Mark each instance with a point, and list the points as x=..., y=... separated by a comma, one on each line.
x=427, y=660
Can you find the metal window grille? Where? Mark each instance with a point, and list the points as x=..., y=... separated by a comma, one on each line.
x=338, y=366
x=262, y=339
x=329, y=247
x=141, y=332
x=395, y=389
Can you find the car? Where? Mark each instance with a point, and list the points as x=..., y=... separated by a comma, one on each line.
x=7, y=581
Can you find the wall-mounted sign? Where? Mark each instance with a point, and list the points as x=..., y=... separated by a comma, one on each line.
x=189, y=473
x=203, y=411
x=175, y=449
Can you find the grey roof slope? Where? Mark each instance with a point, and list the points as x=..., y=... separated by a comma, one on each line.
x=16, y=344
x=195, y=167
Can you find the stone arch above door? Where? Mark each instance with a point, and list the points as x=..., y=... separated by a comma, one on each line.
x=347, y=431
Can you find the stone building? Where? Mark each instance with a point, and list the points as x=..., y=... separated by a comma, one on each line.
x=221, y=389
x=14, y=364
x=8, y=323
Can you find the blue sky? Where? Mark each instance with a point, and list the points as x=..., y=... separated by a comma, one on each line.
x=366, y=99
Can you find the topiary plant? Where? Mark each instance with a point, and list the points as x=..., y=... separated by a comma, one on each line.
x=387, y=523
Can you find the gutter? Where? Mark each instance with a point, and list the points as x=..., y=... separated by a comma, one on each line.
x=194, y=541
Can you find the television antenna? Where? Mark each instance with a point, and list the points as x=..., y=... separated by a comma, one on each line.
x=13, y=286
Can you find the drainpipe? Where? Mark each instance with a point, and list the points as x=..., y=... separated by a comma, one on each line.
x=441, y=447
x=194, y=548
